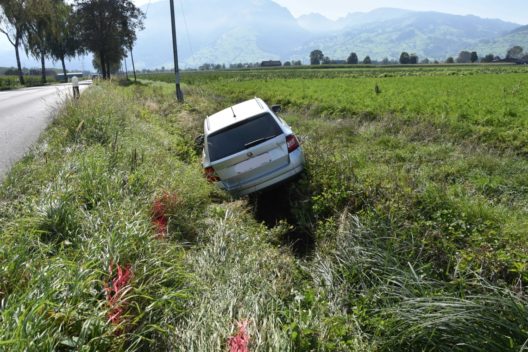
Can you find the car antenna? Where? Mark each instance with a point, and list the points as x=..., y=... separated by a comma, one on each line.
x=233, y=110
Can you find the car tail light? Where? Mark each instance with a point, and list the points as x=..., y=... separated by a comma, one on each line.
x=292, y=143
x=210, y=174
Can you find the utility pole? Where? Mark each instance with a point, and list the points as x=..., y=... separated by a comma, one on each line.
x=126, y=69
x=179, y=93
x=133, y=65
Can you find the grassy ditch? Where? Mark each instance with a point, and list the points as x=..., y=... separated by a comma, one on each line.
x=112, y=240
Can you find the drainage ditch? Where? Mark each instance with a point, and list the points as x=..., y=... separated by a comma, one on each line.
x=275, y=205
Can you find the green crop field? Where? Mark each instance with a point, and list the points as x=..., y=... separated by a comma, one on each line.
x=487, y=103
x=407, y=232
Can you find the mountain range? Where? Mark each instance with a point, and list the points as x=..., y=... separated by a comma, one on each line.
x=388, y=32
x=217, y=31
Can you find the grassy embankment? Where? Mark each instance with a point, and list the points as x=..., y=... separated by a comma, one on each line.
x=409, y=228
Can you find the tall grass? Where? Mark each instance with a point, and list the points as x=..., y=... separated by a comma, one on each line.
x=77, y=205
x=458, y=206
x=242, y=277
x=405, y=309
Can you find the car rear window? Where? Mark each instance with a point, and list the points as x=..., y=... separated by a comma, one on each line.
x=243, y=135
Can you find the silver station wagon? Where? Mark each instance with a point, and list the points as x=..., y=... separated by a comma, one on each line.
x=248, y=148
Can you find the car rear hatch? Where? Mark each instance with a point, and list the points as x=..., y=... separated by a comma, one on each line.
x=248, y=152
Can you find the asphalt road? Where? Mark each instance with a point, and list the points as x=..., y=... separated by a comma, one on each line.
x=24, y=114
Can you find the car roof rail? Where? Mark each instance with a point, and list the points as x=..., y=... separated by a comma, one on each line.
x=258, y=102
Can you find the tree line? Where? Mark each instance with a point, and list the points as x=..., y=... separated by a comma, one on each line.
x=241, y=65
x=514, y=54
x=60, y=30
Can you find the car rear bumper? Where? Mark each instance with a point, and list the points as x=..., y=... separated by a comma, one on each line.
x=294, y=168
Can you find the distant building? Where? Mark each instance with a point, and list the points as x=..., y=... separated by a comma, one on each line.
x=60, y=76
x=270, y=63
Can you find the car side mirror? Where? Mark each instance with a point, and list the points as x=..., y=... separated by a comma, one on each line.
x=199, y=141
x=276, y=108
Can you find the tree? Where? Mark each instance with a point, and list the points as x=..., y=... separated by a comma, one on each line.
x=13, y=20
x=515, y=53
x=11, y=71
x=464, y=57
x=111, y=68
x=38, y=31
x=108, y=28
x=130, y=39
x=426, y=61
x=385, y=61
x=367, y=60
x=64, y=41
x=488, y=58
x=287, y=63
x=316, y=57
x=413, y=59
x=474, y=57
x=450, y=60
x=352, y=59
x=405, y=58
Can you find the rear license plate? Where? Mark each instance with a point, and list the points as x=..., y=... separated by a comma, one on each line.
x=252, y=163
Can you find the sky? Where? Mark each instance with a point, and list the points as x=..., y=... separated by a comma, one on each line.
x=508, y=10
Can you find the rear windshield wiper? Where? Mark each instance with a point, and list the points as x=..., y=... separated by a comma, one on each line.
x=258, y=141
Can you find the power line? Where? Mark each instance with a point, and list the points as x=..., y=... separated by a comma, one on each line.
x=148, y=6
x=187, y=28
